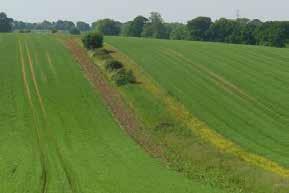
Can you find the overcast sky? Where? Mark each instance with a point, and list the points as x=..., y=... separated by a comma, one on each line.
x=124, y=10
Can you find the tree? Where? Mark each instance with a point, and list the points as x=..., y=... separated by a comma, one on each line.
x=19, y=25
x=45, y=25
x=93, y=40
x=74, y=31
x=221, y=29
x=180, y=33
x=5, y=23
x=82, y=26
x=107, y=27
x=155, y=28
x=135, y=28
x=273, y=34
x=125, y=28
x=198, y=28
x=64, y=25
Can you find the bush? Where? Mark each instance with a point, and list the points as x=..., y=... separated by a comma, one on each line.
x=54, y=31
x=123, y=77
x=24, y=31
x=102, y=54
x=130, y=76
x=112, y=65
x=93, y=40
x=74, y=31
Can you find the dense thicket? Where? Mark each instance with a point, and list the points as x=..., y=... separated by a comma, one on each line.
x=237, y=31
x=107, y=27
x=47, y=25
x=74, y=31
x=82, y=26
x=5, y=23
x=93, y=40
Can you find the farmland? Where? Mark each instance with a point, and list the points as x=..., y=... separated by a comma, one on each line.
x=239, y=91
x=57, y=135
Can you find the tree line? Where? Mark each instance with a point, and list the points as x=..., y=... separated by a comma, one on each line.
x=237, y=31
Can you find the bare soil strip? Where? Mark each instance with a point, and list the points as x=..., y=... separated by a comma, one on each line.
x=112, y=98
x=32, y=108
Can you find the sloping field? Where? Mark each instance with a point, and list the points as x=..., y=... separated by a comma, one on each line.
x=239, y=91
x=56, y=134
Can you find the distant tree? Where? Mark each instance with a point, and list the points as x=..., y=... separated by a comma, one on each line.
x=248, y=33
x=172, y=26
x=64, y=25
x=198, y=28
x=93, y=40
x=255, y=22
x=243, y=21
x=125, y=28
x=45, y=25
x=18, y=25
x=273, y=34
x=74, y=31
x=221, y=30
x=107, y=27
x=82, y=26
x=155, y=28
x=180, y=33
x=5, y=23
x=135, y=28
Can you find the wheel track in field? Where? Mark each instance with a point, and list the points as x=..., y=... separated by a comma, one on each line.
x=223, y=85
x=199, y=127
x=68, y=172
x=177, y=61
x=51, y=66
x=43, y=158
x=226, y=85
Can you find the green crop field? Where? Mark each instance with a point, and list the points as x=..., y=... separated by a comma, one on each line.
x=57, y=136
x=239, y=91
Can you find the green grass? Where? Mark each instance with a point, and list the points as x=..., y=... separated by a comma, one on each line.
x=63, y=138
x=239, y=91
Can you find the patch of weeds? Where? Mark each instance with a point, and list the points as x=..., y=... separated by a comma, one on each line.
x=115, y=69
x=102, y=54
x=113, y=65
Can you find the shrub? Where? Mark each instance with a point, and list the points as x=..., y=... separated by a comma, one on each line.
x=123, y=77
x=112, y=65
x=93, y=40
x=74, y=31
x=54, y=31
x=130, y=77
x=24, y=31
x=102, y=54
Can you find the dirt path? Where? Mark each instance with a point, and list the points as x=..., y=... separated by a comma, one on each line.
x=112, y=98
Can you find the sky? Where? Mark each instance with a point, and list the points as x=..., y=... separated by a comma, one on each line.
x=124, y=10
